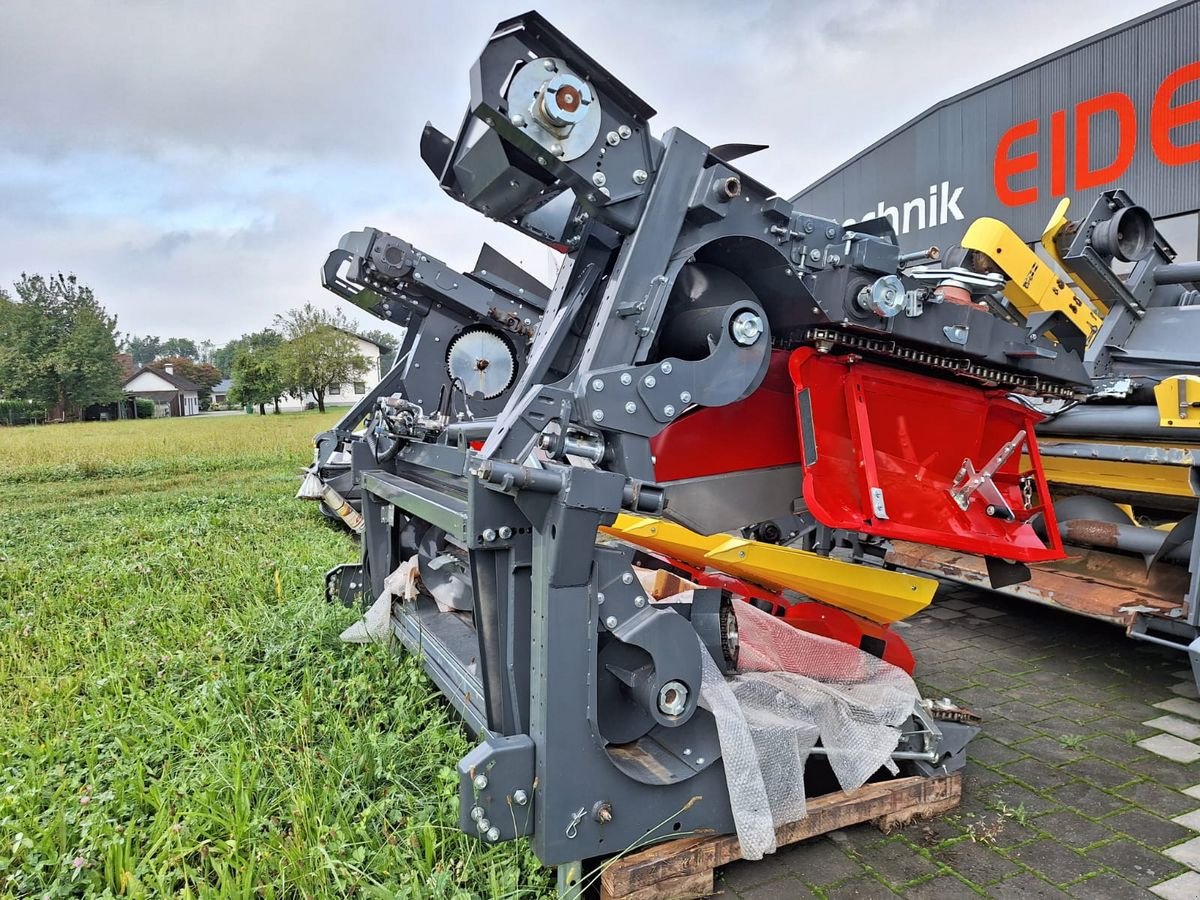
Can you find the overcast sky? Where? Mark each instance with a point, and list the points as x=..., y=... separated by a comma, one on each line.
x=195, y=160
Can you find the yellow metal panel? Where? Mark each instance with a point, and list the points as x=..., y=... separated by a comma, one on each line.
x=1178, y=400
x=1032, y=285
x=876, y=594
x=1054, y=227
x=1140, y=478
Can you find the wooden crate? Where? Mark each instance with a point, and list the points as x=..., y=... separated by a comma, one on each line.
x=683, y=869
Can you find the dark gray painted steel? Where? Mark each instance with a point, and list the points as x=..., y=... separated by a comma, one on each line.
x=953, y=145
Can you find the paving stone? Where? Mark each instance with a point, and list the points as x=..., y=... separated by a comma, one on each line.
x=1181, y=887
x=1034, y=773
x=819, y=861
x=783, y=889
x=1057, y=862
x=1021, y=887
x=1190, y=820
x=975, y=861
x=1186, y=689
x=1182, y=706
x=864, y=888
x=1147, y=828
x=1193, y=791
x=857, y=837
x=1109, y=887
x=1072, y=829
x=1052, y=751
x=1100, y=772
x=938, y=888
x=1173, y=748
x=1167, y=773
x=985, y=612
x=992, y=752
x=1115, y=750
x=1016, y=796
x=1188, y=729
x=745, y=874
x=899, y=863
x=1161, y=800
x=1087, y=798
x=944, y=614
x=1074, y=711
x=1188, y=853
x=952, y=602
x=1134, y=862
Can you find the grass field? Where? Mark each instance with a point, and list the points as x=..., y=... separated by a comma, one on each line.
x=177, y=715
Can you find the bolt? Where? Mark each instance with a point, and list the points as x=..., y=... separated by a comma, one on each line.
x=668, y=410
x=597, y=415
x=626, y=378
x=489, y=534
x=627, y=578
x=746, y=328
x=602, y=812
x=814, y=255
x=493, y=834
x=649, y=381
x=517, y=120
x=830, y=232
x=666, y=368
x=600, y=598
x=631, y=407
x=672, y=698
x=476, y=813
x=610, y=623
x=548, y=65
x=541, y=160
x=483, y=825
x=612, y=139
x=687, y=751
x=625, y=132
x=599, y=179
x=597, y=384
x=808, y=226
x=640, y=176
x=639, y=601
x=480, y=782
x=520, y=798
x=505, y=532
x=557, y=149
x=685, y=396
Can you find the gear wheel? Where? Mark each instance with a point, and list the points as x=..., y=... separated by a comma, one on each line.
x=730, y=645
x=946, y=710
x=483, y=361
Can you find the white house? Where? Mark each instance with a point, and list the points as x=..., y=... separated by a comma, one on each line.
x=173, y=395
x=350, y=392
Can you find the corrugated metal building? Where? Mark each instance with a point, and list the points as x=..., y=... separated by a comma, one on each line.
x=1120, y=109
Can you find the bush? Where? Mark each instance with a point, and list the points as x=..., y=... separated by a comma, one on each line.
x=145, y=409
x=21, y=412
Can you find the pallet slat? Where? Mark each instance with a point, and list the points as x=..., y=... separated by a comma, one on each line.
x=684, y=869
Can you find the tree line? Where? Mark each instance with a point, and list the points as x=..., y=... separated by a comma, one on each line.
x=59, y=350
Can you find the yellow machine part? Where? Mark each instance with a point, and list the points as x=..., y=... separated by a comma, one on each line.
x=1133, y=477
x=876, y=594
x=1032, y=285
x=1054, y=227
x=1178, y=400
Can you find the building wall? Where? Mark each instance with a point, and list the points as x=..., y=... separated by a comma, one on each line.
x=1118, y=110
x=350, y=392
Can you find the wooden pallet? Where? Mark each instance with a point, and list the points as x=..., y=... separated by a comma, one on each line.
x=683, y=869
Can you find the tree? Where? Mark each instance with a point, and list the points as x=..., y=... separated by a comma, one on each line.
x=385, y=339
x=257, y=373
x=204, y=374
x=144, y=350
x=319, y=351
x=58, y=345
x=179, y=347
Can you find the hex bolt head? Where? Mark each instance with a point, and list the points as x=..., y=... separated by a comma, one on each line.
x=599, y=179
x=640, y=176
x=672, y=698
x=746, y=328
x=597, y=384
x=639, y=601
x=480, y=782
x=517, y=119
x=493, y=834
x=626, y=378
x=666, y=368
x=631, y=407
x=597, y=415
x=548, y=65
x=649, y=381
x=814, y=255
x=668, y=410
x=489, y=535
x=685, y=396
x=483, y=825
x=476, y=813
x=830, y=232
x=625, y=132
x=520, y=798
x=627, y=578
x=610, y=622
x=505, y=532
x=612, y=139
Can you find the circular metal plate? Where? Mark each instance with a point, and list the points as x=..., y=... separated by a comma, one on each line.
x=522, y=96
x=482, y=361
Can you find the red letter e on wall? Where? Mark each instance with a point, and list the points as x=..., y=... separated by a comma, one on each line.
x=1164, y=117
x=1005, y=166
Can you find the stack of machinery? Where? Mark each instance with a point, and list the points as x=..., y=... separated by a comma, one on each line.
x=725, y=407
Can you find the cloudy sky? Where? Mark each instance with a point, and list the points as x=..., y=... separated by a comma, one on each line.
x=194, y=160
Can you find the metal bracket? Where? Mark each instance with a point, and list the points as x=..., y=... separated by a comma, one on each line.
x=346, y=584
x=968, y=481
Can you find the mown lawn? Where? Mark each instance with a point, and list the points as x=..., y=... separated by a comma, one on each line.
x=177, y=715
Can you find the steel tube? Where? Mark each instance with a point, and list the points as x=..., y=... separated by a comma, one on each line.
x=1102, y=420
x=1115, y=536
x=1178, y=273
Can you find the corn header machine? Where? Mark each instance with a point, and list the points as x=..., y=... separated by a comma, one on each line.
x=637, y=524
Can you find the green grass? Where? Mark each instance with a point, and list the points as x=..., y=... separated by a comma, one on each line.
x=177, y=715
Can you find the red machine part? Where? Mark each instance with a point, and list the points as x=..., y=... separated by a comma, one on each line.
x=867, y=428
